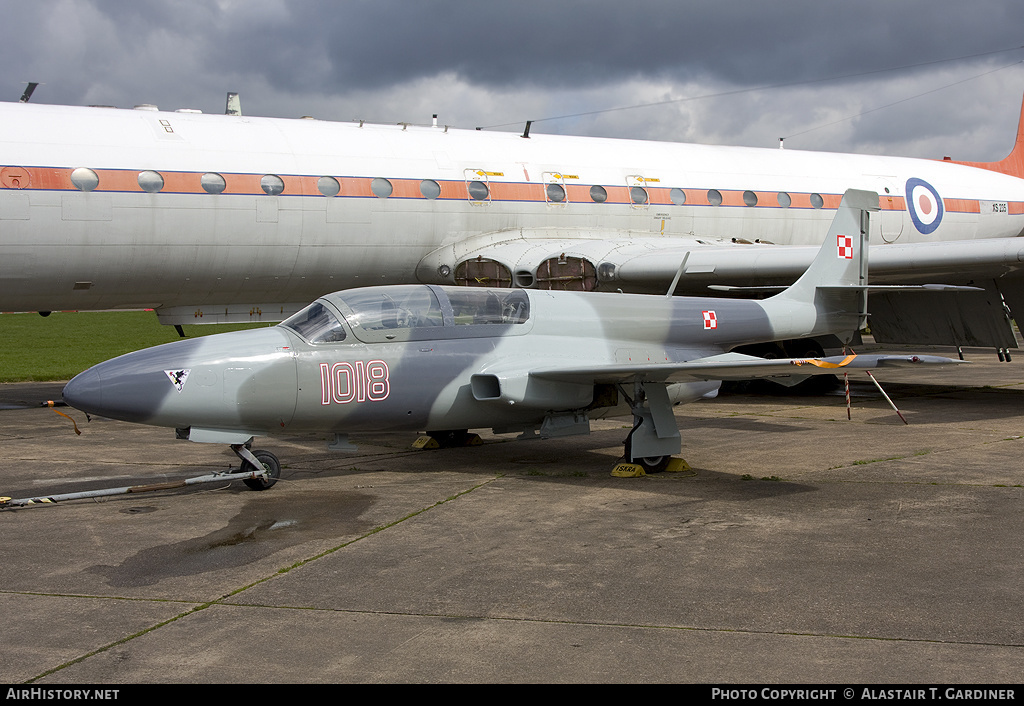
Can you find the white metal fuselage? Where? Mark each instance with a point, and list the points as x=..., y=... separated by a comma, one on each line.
x=63, y=246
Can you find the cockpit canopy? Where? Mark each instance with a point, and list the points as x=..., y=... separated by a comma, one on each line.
x=412, y=312
x=316, y=324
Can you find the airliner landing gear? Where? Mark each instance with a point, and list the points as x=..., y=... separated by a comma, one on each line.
x=794, y=348
x=803, y=348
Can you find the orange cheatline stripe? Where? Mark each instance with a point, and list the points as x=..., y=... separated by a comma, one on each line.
x=961, y=205
x=126, y=180
x=891, y=203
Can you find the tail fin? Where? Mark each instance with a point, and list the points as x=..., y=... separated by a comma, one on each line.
x=831, y=295
x=843, y=258
x=1014, y=162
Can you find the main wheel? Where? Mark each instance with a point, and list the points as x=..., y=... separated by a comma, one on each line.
x=650, y=464
x=270, y=464
x=654, y=464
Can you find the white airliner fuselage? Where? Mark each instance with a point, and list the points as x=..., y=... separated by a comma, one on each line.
x=218, y=217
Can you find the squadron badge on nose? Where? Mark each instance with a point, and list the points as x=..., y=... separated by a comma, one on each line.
x=178, y=377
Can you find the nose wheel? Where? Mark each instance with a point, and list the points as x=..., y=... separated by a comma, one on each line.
x=262, y=466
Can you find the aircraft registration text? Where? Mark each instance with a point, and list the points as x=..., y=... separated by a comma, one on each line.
x=358, y=381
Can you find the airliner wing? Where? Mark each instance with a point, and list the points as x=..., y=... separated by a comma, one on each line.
x=987, y=275
x=902, y=263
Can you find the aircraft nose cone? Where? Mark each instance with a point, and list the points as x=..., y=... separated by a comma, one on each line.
x=84, y=391
x=132, y=387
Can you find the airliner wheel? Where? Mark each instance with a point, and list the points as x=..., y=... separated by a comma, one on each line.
x=804, y=348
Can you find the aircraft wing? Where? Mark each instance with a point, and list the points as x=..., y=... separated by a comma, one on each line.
x=735, y=366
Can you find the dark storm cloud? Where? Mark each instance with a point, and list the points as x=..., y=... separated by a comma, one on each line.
x=495, y=63
x=581, y=43
x=356, y=44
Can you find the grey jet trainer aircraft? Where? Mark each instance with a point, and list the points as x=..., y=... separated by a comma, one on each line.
x=428, y=357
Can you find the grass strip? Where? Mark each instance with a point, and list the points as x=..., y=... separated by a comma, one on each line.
x=63, y=344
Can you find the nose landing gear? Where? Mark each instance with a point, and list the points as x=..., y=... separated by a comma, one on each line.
x=263, y=467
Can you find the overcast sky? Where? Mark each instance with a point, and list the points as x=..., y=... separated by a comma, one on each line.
x=726, y=72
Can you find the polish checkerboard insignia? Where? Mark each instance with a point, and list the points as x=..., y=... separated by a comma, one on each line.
x=710, y=320
x=177, y=377
x=845, y=245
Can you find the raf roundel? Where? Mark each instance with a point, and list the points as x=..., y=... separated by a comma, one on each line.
x=924, y=205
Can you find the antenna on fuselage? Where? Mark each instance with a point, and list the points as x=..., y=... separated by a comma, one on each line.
x=233, y=106
x=29, y=89
x=526, y=132
x=679, y=273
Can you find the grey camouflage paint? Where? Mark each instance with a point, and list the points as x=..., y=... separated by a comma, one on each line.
x=229, y=387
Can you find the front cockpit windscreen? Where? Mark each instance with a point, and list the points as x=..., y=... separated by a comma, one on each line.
x=316, y=324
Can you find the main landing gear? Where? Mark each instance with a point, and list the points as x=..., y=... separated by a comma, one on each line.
x=650, y=464
x=654, y=438
x=447, y=439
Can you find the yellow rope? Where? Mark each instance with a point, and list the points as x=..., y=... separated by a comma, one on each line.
x=822, y=364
